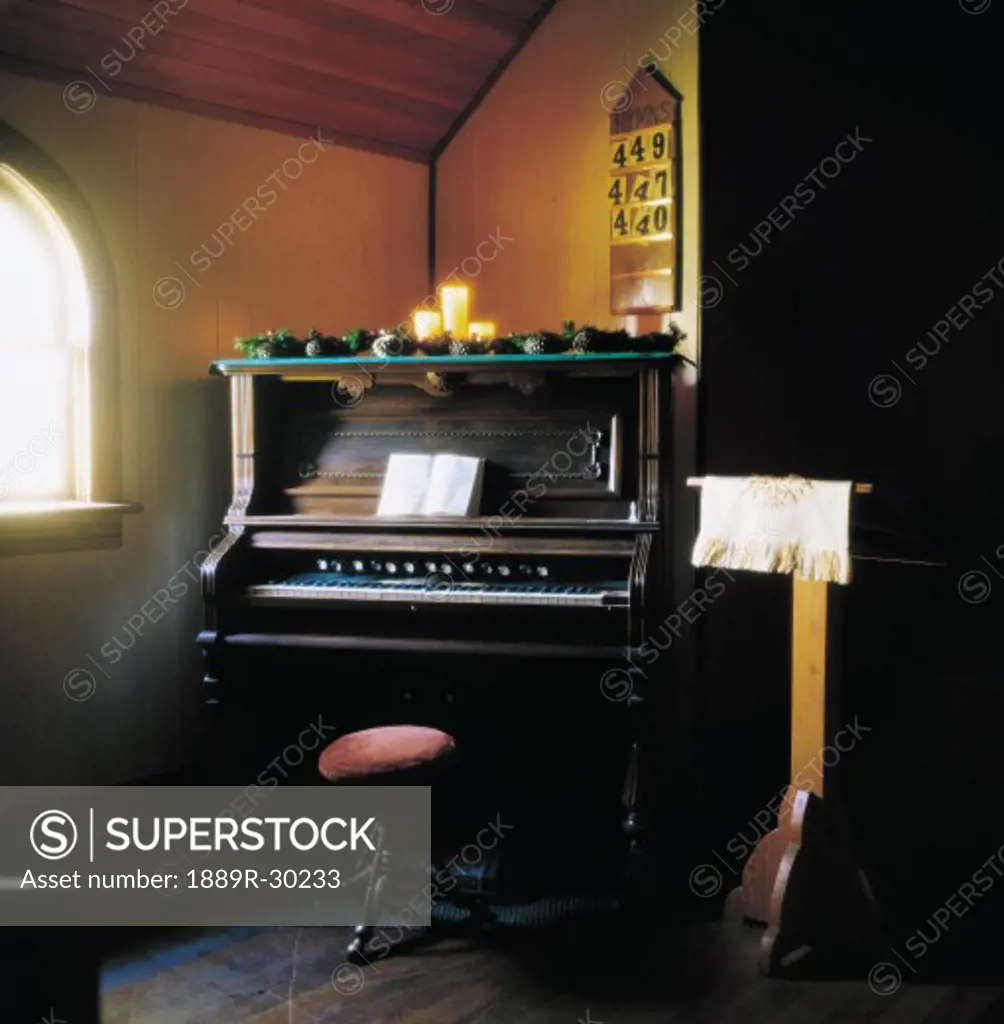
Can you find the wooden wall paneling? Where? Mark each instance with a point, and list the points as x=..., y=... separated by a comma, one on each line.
x=299, y=63
x=354, y=110
x=472, y=25
x=523, y=9
x=551, y=207
x=386, y=76
x=286, y=125
x=277, y=32
x=160, y=183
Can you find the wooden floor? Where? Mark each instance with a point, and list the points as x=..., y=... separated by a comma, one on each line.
x=703, y=973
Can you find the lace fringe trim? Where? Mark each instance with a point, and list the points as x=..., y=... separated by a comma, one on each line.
x=792, y=559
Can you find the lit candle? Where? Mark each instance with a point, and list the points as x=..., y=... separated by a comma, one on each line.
x=428, y=324
x=482, y=330
x=455, y=301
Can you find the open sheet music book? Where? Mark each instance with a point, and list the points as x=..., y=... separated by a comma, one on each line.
x=432, y=485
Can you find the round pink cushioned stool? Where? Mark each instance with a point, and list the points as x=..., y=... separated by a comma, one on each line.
x=387, y=755
x=385, y=750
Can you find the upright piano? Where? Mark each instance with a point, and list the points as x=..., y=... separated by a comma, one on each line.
x=566, y=560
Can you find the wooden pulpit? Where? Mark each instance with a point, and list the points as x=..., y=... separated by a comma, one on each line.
x=802, y=880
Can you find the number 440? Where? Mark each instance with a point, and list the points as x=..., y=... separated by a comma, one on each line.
x=639, y=222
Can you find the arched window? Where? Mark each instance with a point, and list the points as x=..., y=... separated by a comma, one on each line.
x=45, y=335
x=60, y=469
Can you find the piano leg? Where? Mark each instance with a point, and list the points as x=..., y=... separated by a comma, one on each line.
x=638, y=890
x=211, y=675
x=635, y=828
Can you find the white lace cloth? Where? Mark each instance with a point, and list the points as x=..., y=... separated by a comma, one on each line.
x=776, y=524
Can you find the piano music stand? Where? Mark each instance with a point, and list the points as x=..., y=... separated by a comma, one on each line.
x=802, y=879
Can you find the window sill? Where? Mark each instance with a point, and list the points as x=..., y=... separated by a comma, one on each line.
x=44, y=526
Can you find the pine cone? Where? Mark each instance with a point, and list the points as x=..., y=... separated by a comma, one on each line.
x=390, y=345
x=460, y=347
x=584, y=340
x=314, y=344
x=535, y=345
x=265, y=350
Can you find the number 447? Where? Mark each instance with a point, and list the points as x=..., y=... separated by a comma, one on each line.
x=642, y=188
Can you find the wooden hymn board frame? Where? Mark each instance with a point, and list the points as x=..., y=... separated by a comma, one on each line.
x=644, y=197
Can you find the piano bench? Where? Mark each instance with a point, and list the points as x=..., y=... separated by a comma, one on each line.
x=387, y=755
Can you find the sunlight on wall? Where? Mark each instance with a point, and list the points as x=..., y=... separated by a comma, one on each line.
x=45, y=333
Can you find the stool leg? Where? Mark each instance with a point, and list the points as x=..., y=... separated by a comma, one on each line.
x=355, y=952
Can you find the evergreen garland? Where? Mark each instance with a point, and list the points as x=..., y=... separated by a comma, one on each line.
x=572, y=339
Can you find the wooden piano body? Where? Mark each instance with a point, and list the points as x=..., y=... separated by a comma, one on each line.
x=567, y=559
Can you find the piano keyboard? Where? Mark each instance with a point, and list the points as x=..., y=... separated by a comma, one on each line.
x=338, y=587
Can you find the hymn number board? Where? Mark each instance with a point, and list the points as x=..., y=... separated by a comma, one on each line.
x=641, y=187
x=643, y=208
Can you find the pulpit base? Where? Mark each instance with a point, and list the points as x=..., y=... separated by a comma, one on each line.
x=803, y=882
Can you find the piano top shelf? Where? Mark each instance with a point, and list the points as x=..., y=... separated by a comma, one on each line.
x=438, y=523
x=337, y=366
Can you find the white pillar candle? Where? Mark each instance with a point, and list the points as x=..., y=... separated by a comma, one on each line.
x=455, y=299
x=482, y=330
x=428, y=324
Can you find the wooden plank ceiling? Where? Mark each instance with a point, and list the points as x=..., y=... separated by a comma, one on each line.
x=390, y=76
